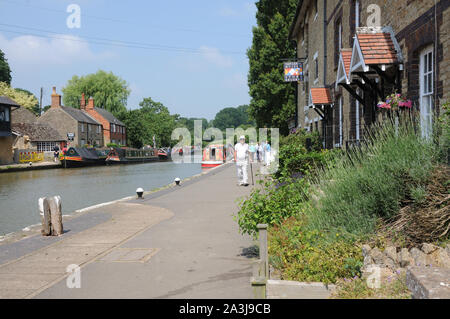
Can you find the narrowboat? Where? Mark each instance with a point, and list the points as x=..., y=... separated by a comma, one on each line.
x=82, y=156
x=163, y=154
x=213, y=156
x=131, y=155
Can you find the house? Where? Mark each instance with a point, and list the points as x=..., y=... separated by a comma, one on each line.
x=350, y=66
x=79, y=127
x=6, y=134
x=114, y=131
x=38, y=137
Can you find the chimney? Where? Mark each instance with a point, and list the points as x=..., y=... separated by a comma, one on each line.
x=83, y=102
x=90, y=105
x=56, y=99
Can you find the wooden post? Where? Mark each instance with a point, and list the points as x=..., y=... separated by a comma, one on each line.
x=51, y=216
x=263, y=253
x=44, y=210
x=56, y=216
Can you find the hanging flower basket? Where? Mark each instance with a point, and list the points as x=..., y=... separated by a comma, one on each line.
x=394, y=102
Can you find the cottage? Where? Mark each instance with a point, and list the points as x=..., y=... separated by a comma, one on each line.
x=349, y=66
x=6, y=134
x=114, y=131
x=78, y=126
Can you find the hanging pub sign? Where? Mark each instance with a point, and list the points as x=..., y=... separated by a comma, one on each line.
x=293, y=71
x=70, y=136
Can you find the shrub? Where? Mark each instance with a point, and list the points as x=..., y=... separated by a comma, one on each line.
x=371, y=183
x=306, y=255
x=271, y=204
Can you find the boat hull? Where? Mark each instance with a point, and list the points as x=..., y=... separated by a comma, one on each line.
x=211, y=164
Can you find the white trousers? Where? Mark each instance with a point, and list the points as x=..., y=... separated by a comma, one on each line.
x=242, y=172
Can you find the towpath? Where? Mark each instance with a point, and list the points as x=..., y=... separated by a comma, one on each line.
x=180, y=242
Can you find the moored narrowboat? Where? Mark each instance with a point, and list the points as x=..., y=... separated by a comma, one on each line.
x=131, y=155
x=213, y=156
x=82, y=156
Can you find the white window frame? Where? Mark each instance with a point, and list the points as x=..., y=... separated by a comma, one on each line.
x=340, y=35
x=426, y=87
x=316, y=67
x=46, y=146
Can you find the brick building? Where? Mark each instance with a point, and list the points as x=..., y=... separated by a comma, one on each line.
x=114, y=131
x=69, y=121
x=350, y=66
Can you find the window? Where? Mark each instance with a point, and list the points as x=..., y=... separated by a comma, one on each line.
x=4, y=114
x=82, y=127
x=97, y=142
x=339, y=36
x=426, y=91
x=46, y=146
x=99, y=129
x=112, y=128
x=83, y=142
x=339, y=128
x=89, y=127
x=316, y=10
x=316, y=68
x=356, y=14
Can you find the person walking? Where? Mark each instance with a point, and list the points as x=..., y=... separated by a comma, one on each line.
x=267, y=153
x=241, y=157
x=252, y=150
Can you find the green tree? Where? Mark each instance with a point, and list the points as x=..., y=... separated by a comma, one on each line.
x=273, y=100
x=108, y=90
x=232, y=117
x=22, y=97
x=151, y=119
x=35, y=109
x=5, y=71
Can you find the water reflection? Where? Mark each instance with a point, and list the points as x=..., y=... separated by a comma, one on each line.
x=79, y=188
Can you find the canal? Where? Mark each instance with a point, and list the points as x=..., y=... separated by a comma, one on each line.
x=79, y=188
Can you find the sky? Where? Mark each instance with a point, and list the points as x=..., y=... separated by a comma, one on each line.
x=189, y=55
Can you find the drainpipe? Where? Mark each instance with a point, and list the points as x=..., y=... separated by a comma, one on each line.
x=325, y=24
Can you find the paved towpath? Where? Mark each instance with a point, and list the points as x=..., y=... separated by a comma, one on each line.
x=176, y=243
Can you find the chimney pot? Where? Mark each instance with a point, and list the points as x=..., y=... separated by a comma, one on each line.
x=90, y=104
x=83, y=102
x=56, y=99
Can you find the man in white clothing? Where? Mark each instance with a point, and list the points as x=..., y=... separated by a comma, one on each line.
x=241, y=159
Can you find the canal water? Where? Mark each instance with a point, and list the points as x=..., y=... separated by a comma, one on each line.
x=79, y=188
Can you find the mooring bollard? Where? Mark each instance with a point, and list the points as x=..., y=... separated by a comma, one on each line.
x=261, y=266
x=140, y=193
x=51, y=216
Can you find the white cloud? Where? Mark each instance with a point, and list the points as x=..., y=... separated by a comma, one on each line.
x=58, y=50
x=214, y=56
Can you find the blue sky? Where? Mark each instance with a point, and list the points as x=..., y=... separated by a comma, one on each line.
x=203, y=70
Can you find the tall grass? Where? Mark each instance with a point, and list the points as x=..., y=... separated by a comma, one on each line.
x=371, y=182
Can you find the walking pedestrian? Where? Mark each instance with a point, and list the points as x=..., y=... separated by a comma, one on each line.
x=241, y=156
x=252, y=150
x=267, y=153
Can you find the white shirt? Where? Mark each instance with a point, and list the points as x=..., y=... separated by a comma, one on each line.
x=241, y=152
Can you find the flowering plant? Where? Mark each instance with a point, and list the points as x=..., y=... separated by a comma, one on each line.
x=394, y=102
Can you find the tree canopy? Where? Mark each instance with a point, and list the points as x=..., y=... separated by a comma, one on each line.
x=232, y=117
x=151, y=119
x=22, y=97
x=5, y=71
x=108, y=90
x=273, y=100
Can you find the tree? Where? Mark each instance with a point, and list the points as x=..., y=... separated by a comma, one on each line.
x=108, y=90
x=35, y=109
x=232, y=117
x=22, y=97
x=151, y=119
x=273, y=100
x=5, y=71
